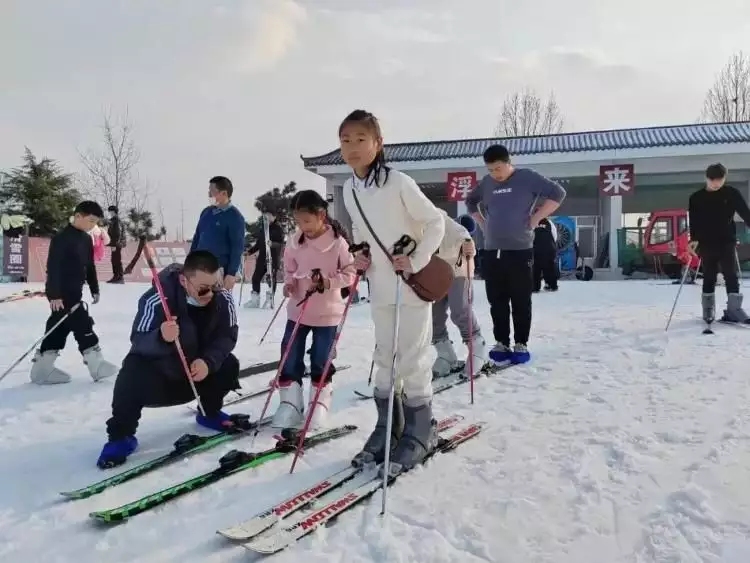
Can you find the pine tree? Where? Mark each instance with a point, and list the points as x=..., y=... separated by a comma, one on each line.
x=40, y=190
x=274, y=201
x=140, y=226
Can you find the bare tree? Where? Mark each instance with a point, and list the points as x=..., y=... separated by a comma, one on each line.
x=526, y=113
x=728, y=100
x=112, y=175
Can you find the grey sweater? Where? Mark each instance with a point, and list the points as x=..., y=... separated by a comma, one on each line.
x=508, y=205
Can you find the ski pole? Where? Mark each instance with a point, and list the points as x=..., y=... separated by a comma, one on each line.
x=276, y=314
x=168, y=316
x=242, y=279
x=34, y=345
x=326, y=369
x=679, y=290
x=372, y=368
x=275, y=383
x=470, y=299
x=739, y=267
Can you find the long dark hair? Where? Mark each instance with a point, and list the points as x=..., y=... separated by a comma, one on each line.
x=310, y=201
x=377, y=166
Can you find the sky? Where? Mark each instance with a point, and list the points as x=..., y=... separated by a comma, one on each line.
x=242, y=88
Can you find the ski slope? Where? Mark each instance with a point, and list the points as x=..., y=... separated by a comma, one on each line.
x=618, y=443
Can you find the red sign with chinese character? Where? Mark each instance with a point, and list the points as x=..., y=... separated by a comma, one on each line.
x=616, y=179
x=460, y=184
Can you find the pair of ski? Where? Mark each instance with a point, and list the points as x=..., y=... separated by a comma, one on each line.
x=242, y=396
x=281, y=536
x=231, y=463
x=441, y=384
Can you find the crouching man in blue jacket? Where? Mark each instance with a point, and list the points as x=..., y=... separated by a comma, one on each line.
x=152, y=374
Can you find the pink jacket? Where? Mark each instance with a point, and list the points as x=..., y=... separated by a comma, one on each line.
x=336, y=264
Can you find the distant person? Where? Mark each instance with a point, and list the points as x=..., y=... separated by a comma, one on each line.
x=275, y=243
x=713, y=236
x=510, y=196
x=100, y=238
x=70, y=264
x=545, y=256
x=117, y=241
x=152, y=374
x=221, y=230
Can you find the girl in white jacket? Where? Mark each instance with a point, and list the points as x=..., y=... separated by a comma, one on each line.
x=394, y=206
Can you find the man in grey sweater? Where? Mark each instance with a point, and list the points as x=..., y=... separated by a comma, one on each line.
x=514, y=200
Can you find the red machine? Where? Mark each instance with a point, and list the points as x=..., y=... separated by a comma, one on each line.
x=666, y=239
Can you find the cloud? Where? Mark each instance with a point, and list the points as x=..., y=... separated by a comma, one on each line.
x=270, y=36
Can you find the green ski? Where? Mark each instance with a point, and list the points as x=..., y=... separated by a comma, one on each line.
x=187, y=445
x=231, y=463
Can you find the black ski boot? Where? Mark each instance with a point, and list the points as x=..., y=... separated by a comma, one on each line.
x=420, y=437
x=374, y=448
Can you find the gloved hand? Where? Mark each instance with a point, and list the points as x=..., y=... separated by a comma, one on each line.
x=94, y=298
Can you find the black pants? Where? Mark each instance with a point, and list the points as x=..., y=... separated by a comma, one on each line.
x=545, y=268
x=79, y=323
x=322, y=342
x=719, y=258
x=261, y=268
x=508, y=282
x=117, y=273
x=139, y=385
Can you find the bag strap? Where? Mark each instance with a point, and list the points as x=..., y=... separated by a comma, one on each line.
x=369, y=226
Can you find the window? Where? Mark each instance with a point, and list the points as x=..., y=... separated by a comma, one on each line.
x=682, y=225
x=661, y=232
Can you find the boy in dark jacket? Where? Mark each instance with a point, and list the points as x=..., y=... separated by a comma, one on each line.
x=275, y=243
x=545, y=257
x=713, y=235
x=152, y=374
x=70, y=264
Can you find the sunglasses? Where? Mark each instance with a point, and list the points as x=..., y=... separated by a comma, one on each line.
x=205, y=290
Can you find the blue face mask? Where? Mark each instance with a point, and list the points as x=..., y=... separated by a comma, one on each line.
x=194, y=302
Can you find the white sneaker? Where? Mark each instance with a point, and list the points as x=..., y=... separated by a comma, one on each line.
x=43, y=370
x=479, y=355
x=322, y=407
x=99, y=368
x=253, y=302
x=291, y=410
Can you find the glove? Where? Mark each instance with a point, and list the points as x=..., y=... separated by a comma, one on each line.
x=94, y=298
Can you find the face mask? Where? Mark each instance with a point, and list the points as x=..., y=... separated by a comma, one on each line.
x=194, y=302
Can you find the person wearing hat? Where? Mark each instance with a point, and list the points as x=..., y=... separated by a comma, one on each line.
x=117, y=242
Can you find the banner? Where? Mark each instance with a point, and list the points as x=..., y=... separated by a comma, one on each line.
x=616, y=179
x=460, y=184
x=16, y=255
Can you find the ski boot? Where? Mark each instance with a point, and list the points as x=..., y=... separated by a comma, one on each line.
x=446, y=360
x=253, y=302
x=501, y=353
x=479, y=357
x=708, y=304
x=323, y=405
x=419, y=438
x=734, y=313
x=43, y=370
x=291, y=410
x=268, y=303
x=99, y=368
x=520, y=354
x=374, y=448
x=116, y=452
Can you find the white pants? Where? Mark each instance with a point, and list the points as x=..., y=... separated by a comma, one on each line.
x=415, y=351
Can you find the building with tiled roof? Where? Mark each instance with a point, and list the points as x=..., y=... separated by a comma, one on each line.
x=661, y=167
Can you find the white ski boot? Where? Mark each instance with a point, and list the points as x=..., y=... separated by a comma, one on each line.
x=99, y=368
x=253, y=302
x=446, y=361
x=291, y=410
x=268, y=303
x=43, y=370
x=323, y=406
x=479, y=356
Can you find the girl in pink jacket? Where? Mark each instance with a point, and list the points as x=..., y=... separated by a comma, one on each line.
x=317, y=256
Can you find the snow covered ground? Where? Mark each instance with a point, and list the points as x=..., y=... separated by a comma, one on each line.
x=618, y=443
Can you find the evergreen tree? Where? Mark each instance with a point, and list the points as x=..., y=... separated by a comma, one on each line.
x=40, y=190
x=275, y=201
x=140, y=226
